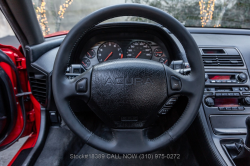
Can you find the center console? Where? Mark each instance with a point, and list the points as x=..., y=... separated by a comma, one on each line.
x=226, y=100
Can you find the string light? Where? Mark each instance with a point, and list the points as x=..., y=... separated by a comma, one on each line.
x=206, y=14
x=215, y=26
x=63, y=8
x=42, y=18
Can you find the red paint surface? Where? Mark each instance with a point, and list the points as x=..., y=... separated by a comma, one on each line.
x=57, y=34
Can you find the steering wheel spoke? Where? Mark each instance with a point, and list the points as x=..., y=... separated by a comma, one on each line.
x=132, y=140
x=125, y=139
x=78, y=87
x=180, y=84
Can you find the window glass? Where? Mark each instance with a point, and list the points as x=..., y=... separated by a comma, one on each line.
x=7, y=36
x=61, y=15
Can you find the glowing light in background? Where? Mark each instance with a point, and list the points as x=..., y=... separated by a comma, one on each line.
x=42, y=19
x=215, y=26
x=206, y=12
x=63, y=8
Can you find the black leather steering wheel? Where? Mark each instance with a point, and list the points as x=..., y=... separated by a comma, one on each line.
x=127, y=94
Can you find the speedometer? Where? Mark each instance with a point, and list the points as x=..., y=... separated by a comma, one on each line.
x=139, y=49
x=109, y=51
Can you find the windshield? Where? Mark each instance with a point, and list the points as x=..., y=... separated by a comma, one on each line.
x=59, y=16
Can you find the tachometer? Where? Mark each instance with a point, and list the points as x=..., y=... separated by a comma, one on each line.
x=139, y=49
x=109, y=51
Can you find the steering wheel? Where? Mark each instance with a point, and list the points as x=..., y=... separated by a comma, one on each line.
x=126, y=94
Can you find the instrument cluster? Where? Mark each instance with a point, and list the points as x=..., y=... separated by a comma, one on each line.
x=108, y=50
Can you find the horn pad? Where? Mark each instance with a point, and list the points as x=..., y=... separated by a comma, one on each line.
x=128, y=93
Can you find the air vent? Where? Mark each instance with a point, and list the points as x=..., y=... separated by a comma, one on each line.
x=213, y=51
x=221, y=57
x=38, y=87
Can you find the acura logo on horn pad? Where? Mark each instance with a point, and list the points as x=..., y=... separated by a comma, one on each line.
x=128, y=81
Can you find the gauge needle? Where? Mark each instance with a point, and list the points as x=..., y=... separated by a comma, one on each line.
x=108, y=56
x=138, y=55
x=84, y=64
x=89, y=54
x=165, y=62
x=121, y=56
x=158, y=52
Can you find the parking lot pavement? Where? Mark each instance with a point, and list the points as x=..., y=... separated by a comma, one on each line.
x=8, y=154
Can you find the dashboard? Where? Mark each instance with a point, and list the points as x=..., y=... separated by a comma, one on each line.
x=226, y=101
x=118, y=49
x=124, y=40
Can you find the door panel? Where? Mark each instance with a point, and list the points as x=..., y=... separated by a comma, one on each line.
x=13, y=69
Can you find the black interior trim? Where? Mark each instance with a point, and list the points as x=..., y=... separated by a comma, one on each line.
x=202, y=143
x=212, y=153
x=40, y=60
x=35, y=52
x=25, y=17
x=13, y=23
x=145, y=31
x=226, y=31
x=3, y=121
x=21, y=157
x=37, y=149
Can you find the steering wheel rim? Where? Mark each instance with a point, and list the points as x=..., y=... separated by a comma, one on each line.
x=133, y=140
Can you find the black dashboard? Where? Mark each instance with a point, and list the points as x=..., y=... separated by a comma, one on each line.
x=125, y=40
x=226, y=56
